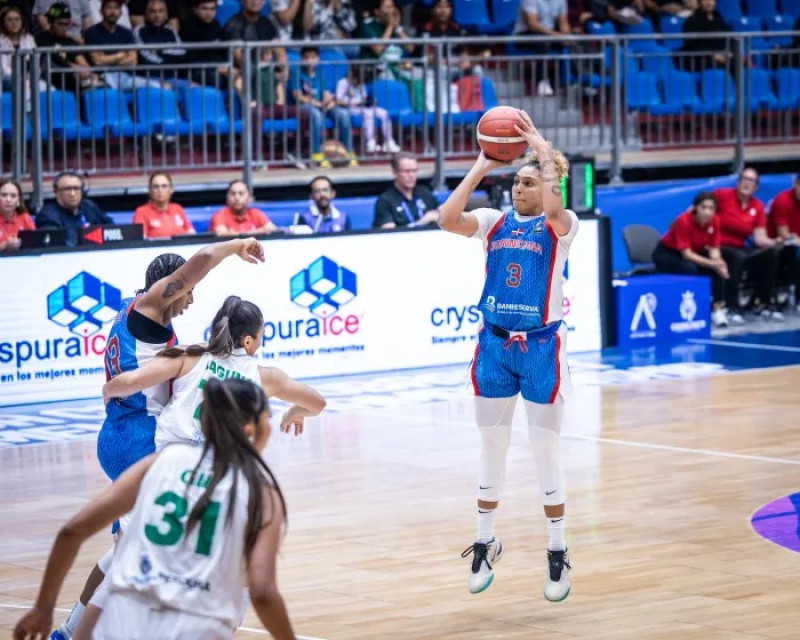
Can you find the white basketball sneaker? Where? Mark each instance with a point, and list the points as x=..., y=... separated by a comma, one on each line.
x=556, y=582
x=485, y=556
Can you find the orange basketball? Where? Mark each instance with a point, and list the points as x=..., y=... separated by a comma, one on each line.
x=497, y=136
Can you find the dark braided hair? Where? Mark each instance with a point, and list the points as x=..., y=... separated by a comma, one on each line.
x=164, y=265
x=227, y=406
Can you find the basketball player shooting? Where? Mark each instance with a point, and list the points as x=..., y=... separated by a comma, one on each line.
x=521, y=343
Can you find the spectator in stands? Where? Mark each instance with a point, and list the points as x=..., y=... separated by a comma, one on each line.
x=96, y=14
x=138, y=13
x=160, y=217
x=202, y=26
x=13, y=35
x=285, y=13
x=25, y=7
x=691, y=247
x=746, y=245
x=155, y=30
x=330, y=20
x=323, y=216
x=657, y=8
x=71, y=210
x=108, y=33
x=405, y=203
x=784, y=225
x=67, y=56
x=250, y=26
x=441, y=23
x=706, y=20
x=543, y=18
x=14, y=217
x=237, y=217
x=384, y=24
x=310, y=93
x=627, y=12
x=351, y=94
x=80, y=13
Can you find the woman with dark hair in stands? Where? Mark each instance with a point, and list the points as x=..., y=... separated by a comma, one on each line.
x=691, y=247
x=14, y=217
x=160, y=217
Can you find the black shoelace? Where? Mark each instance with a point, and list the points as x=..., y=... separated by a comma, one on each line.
x=557, y=561
x=481, y=550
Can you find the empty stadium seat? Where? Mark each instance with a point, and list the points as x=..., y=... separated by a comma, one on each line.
x=471, y=14
x=730, y=10
x=60, y=115
x=671, y=25
x=788, y=82
x=7, y=110
x=640, y=242
x=393, y=96
x=790, y=8
x=761, y=8
x=717, y=92
x=333, y=66
x=228, y=9
x=641, y=91
x=107, y=110
x=504, y=14
x=158, y=107
x=680, y=94
x=759, y=90
x=779, y=23
x=206, y=110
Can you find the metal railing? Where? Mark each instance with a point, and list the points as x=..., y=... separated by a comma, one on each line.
x=606, y=93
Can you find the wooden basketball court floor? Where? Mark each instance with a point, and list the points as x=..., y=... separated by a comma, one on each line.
x=663, y=476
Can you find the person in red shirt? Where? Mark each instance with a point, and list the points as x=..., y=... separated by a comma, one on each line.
x=691, y=247
x=237, y=217
x=783, y=223
x=745, y=245
x=14, y=217
x=160, y=217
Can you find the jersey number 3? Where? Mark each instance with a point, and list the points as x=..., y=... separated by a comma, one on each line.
x=514, y=275
x=170, y=529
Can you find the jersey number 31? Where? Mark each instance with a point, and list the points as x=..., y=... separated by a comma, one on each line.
x=170, y=529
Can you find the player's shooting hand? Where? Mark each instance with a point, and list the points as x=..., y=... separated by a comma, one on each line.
x=525, y=127
x=251, y=250
x=290, y=420
x=487, y=164
x=34, y=625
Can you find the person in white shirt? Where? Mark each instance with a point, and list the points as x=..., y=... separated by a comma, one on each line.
x=206, y=522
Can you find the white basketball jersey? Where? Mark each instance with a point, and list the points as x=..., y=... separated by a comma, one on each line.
x=202, y=573
x=180, y=419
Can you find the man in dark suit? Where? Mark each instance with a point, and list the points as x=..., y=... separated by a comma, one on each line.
x=70, y=211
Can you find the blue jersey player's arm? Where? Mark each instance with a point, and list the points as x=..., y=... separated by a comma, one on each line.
x=156, y=302
x=548, y=159
x=452, y=216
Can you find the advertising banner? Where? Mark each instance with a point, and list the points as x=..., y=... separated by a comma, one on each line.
x=662, y=309
x=350, y=304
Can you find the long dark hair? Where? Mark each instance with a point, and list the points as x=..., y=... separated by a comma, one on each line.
x=227, y=406
x=235, y=320
x=164, y=265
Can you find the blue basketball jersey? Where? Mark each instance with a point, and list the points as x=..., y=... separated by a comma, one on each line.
x=525, y=261
x=125, y=353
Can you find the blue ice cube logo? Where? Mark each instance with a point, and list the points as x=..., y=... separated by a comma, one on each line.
x=83, y=304
x=323, y=287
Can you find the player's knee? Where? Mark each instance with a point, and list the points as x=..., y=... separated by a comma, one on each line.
x=496, y=437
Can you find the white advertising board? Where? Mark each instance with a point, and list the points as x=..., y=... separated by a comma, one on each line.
x=350, y=304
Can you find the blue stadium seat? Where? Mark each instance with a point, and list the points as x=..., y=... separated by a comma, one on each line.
x=205, y=110
x=471, y=14
x=641, y=91
x=788, y=82
x=761, y=8
x=60, y=115
x=780, y=23
x=595, y=28
x=680, y=94
x=747, y=24
x=658, y=61
x=504, y=14
x=107, y=109
x=393, y=96
x=158, y=107
x=228, y=9
x=333, y=66
x=790, y=8
x=759, y=90
x=731, y=10
x=645, y=27
x=671, y=25
x=488, y=94
x=717, y=92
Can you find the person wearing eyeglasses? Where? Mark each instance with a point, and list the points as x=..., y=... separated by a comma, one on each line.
x=70, y=210
x=160, y=217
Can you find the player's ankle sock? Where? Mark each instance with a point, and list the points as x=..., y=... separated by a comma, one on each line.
x=485, y=525
x=71, y=623
x=556, y=534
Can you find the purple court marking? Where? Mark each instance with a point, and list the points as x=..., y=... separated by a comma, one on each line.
x=779, y=521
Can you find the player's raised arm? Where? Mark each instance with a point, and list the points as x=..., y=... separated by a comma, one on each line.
x=156, y=300
x=553, y=166
x=452, y=216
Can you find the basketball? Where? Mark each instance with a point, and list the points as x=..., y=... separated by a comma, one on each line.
x=497, y=136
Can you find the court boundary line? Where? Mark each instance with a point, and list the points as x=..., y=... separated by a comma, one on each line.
x=744, y=345
x=60, y=610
